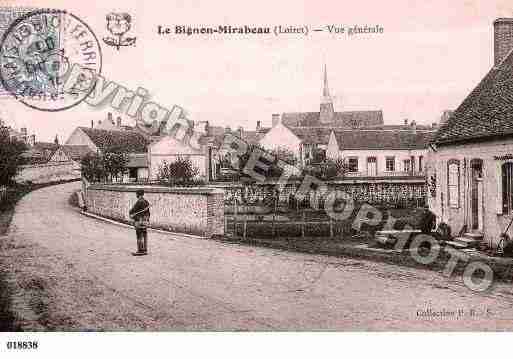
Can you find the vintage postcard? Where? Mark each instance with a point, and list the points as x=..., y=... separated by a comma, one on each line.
x=266, y=166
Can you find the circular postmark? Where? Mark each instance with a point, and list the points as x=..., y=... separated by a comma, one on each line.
x=49, y=60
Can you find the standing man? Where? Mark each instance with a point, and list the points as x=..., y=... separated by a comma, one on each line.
x=140, y=213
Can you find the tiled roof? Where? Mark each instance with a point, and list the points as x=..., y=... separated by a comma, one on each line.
x=252, y=137
x=382, y=140
x=76, y=152
x=319, y=135
x=487, y=112
x=41, y=146
x=125, y=141
x=347, y=119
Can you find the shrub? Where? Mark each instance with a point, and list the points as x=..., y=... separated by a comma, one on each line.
x=179, y=172
x=10, y=157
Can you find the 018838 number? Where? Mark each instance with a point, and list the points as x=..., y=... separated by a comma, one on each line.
x=22, y=345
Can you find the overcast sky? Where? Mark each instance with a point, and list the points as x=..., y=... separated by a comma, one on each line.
x=430, y=56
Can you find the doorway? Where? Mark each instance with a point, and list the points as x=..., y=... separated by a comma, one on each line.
x=372, y=168
x=476, y=194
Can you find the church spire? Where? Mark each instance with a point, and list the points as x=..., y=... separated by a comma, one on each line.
x=327, y=113
x=326, y=90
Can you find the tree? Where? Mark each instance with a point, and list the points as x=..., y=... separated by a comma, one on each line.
x=115, y=163
x=93, y=168
x=286, y=155
x=10, y=157
x=99, y=167
x=329, y=169
x=180, y=171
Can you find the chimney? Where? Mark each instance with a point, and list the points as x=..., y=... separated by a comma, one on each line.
x=503, y=39
x=240, y=132
x=413, y=126
x=32, y=140
x=109, y=117
x=118, y=121
x=406, y=122
x=276, y=118
x=258, y=126
x=92, y=124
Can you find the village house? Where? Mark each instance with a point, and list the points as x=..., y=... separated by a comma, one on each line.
x=370, y=148
x=471, y=165
x=127, y=141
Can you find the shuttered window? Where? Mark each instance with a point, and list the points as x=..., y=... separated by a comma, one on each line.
x=453, y=183
x=507, y=187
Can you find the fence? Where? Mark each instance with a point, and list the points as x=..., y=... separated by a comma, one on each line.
x=3, y=194
x=303, y=223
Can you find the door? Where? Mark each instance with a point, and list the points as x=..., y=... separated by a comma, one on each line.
x=476, y=194
x=372, y=168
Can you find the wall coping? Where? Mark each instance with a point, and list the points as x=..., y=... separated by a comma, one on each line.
x=156, y=189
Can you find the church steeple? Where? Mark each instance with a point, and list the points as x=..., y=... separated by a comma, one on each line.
x=325, y=89
x=327, y=112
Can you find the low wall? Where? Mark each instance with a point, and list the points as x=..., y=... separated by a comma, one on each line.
x=49, y=172
x=380, y=194
x=198, y=211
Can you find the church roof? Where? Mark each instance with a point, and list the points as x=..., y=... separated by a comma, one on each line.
x=487, y=113
x=347, y=119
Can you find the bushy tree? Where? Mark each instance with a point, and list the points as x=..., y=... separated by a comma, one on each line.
x=115, y=163
x=329, y=169
x=93, y=167
x=101, y=167
x=180, y=171
x=286, y=155
x=273, y=169
x=10, y=157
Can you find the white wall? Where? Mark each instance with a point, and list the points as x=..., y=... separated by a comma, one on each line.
x=78, y=137
x=169, y=149
x=381, y=156
x=494, y=222
x=281, y=136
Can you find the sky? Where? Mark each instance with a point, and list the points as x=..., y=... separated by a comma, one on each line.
x=430, y=56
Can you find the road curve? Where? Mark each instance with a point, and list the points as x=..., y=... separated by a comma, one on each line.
x=77, y=274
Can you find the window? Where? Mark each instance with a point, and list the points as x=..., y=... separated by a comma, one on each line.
x=390, y=164
x=507, y=188
x=407, y=165
x=352, y=163
x=453, y=183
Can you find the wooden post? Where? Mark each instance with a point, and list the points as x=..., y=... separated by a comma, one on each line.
x=303, y=225
x=274, y=214
x=235, y=217
x=245, y=226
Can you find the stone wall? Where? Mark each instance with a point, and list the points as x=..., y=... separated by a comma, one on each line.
x=198, y=211
x=49, y=172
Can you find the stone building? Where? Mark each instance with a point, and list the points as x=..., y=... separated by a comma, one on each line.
x=471, y=165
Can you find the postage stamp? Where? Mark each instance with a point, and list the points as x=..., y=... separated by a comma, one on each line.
x=38, y=50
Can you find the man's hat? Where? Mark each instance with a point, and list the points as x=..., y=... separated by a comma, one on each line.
x=139, y=192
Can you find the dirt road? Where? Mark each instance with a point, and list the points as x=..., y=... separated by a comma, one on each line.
x=71, y=272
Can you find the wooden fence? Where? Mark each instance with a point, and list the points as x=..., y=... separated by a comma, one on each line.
x=3, y=194
x=280, y=225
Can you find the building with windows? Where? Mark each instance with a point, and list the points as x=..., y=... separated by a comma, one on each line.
x=370, y=148
x=471, y=165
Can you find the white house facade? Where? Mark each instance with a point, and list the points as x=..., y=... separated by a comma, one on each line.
x=471, y=166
